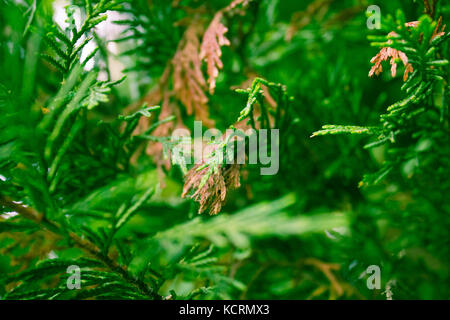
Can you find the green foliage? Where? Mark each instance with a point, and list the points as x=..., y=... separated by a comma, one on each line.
x=418, y=121
x=67, y=44
x=152, y=33
x=86, y=177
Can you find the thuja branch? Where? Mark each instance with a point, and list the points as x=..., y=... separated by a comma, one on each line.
x=84, y=244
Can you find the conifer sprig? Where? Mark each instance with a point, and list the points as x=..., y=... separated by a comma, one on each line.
x=418, y=44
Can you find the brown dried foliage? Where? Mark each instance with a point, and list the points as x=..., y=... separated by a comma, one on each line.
x=212, y=194
x=213, y=39
x=430, y=7
x=394, y=54
x=189, y=84
x=189, y=87
x=439, y=30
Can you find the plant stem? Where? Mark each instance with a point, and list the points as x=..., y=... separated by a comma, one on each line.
x=84, y=244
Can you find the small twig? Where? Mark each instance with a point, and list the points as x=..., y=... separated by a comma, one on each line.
x=27, y=212
x=84, y=244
